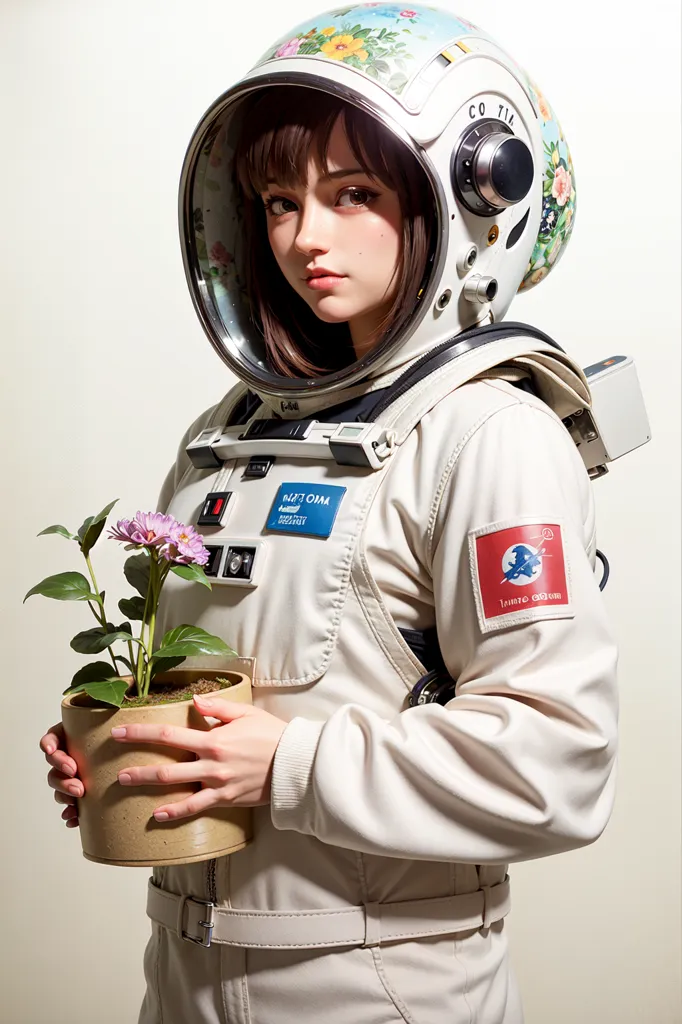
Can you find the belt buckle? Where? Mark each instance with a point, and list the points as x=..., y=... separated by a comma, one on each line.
x=208, y=925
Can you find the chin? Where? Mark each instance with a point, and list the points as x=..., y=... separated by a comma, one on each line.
x=331, y=310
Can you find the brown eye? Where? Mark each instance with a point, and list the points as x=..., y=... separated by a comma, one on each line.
x=356, y=197
x=277, y=205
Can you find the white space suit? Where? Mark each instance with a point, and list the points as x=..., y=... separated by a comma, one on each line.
x=375, y=888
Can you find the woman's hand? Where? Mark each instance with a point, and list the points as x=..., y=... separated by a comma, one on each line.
x=63, y=778
x=234, y=760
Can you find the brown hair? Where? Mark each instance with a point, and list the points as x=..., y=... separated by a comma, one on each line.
x=280, y=127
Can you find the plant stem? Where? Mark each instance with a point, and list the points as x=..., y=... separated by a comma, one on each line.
x=140, y=664
x=130, y=654
x=155, y=583
x=100, y=602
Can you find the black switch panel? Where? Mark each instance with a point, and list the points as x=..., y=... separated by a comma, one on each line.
x=214, y=554
x=259, y=465
x=214, y=508
x=239, y=563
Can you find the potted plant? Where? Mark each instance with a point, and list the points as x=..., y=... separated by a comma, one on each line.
x=117, y=825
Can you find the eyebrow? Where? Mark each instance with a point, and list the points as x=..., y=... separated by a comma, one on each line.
x=335, y=174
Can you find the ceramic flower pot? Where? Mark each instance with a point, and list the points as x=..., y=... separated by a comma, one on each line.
x=117, y=823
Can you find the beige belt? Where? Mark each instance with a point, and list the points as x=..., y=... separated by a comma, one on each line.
x=204, y=922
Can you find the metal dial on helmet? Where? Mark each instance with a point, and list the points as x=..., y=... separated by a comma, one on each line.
x=492, y=169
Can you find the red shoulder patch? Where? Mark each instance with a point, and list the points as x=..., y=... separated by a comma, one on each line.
x=519, y=573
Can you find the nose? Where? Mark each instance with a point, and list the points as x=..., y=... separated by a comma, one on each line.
x=313, y=230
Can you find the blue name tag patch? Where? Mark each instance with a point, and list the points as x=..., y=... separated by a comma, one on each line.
x=305, y=508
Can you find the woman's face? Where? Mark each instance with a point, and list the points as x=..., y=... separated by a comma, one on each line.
x=337, y=241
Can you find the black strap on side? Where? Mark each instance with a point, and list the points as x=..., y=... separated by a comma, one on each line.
x=244, y=409
x=475, y=337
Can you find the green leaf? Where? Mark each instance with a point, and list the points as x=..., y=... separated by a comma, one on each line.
x=61, y=530
x=383, y=67
x=94, y=641
x=193, y=573
x=92, y=528
x=132, y=608
x=397, y=82
x=65, y=586
x=126, y=662
x=109, y=691
x=95, y=672
x=186, y=641
x=82, y=529
x=164, y=665
x=137, y=569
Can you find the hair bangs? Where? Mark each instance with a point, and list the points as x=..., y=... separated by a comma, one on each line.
x=280, y=141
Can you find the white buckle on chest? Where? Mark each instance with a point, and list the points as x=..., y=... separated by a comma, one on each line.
x=348, y=444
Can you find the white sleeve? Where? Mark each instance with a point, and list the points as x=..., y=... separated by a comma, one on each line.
x=520, y=764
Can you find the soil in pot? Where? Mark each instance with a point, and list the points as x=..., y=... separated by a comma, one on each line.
x=170, y=694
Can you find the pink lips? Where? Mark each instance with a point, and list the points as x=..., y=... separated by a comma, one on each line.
x=321, y=279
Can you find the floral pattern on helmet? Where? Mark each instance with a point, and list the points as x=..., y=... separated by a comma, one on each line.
x=388, y=42
x=558, y=195
x=391, y=44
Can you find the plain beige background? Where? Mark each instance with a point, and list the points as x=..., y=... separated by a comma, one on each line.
x=104, y=364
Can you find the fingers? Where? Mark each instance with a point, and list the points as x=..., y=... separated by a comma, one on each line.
x=170, y=735
x=169, y=774
x=198, y=802
x=52, y=743
x=52, y=738
x=70, y=812
x=64, y=798
x=70, y=816
x=72, y=787
x=63, y=763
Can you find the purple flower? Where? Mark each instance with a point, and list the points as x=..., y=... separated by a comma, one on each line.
x=147, y=529
x=290, y=48
x=185, y=546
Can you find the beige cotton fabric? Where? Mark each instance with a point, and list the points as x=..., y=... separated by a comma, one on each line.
x=374, y=802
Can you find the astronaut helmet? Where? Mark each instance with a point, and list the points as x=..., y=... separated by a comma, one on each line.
x=437, y=110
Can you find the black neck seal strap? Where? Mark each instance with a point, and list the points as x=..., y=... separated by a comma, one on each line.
x=369, y=407
x=475, y=337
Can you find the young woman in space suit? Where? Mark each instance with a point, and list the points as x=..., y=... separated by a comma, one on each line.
x=434, y=692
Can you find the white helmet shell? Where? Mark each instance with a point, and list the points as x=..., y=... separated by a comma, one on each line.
x=493, y=151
